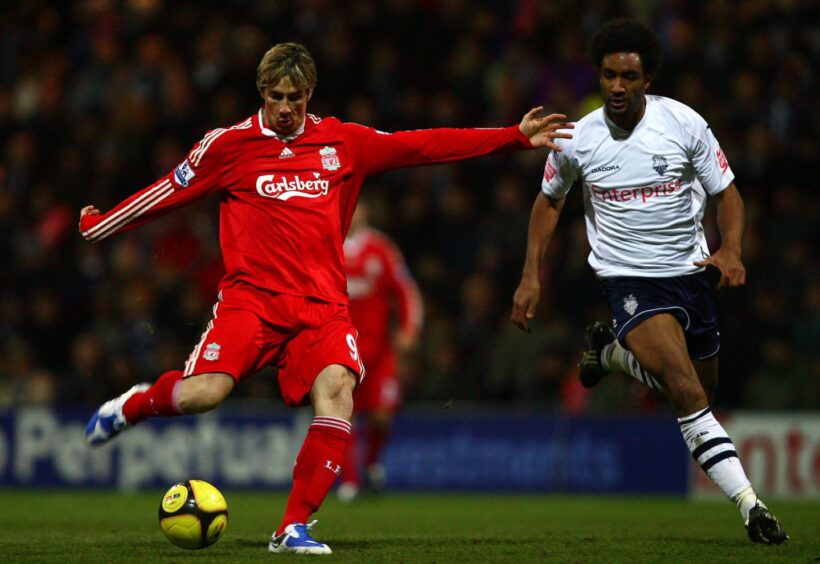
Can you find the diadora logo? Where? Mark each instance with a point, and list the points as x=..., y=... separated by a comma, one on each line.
x=605, y=168
x=285, y=188
x=183, y=174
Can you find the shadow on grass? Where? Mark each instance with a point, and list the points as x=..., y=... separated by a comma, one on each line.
x=398, y=542
x=467, y=541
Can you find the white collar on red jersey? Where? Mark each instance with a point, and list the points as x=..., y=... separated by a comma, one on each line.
x=283, y=138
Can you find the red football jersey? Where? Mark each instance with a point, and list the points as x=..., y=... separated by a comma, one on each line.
x=286, y=206
x=379, y=285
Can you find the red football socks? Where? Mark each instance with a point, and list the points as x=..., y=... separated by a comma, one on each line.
x=160, y=400
x=317, y=466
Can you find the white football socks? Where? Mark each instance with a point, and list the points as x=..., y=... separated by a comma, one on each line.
x=712, y=448
x=615, y=358
x=745, y=500
x=707, y=440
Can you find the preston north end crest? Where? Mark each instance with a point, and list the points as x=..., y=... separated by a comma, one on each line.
x=659, y=164
x=630, y=304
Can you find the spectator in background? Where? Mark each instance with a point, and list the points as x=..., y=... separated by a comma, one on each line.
x=88, y=369
x=26, y=381
x=386, y=308
x=65, y=67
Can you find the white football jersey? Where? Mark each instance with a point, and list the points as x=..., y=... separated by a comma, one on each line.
x=644, y=190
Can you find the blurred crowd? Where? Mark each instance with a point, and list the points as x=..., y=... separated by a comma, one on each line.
x=98, y=98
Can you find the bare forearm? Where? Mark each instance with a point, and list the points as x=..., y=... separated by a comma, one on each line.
x=726, y=259
x=731, y=219
x=543, y=220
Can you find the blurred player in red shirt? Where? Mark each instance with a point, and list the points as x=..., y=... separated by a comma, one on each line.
x=288, y=183
x=386, y=307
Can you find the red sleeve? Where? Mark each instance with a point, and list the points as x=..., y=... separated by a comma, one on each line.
x=196, y=177
x=377, y=151
x=410, y=309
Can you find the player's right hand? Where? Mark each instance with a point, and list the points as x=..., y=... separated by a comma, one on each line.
x=525, y=301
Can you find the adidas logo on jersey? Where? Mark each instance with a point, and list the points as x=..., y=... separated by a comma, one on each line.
x=286, y=153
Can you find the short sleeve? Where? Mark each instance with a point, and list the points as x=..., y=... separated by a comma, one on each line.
x=710, y=164
x=560, y=172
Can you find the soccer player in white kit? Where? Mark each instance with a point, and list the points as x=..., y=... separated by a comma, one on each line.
x=639, y=159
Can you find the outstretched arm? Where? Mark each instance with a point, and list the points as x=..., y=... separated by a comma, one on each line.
x=543, y=219
x=196, y=177
x=377, y=151
x=149, y=203
x=135, y=210
x=730, y=217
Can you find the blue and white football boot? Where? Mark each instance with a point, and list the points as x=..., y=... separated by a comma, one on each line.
x=108, y=421
x=296, y=540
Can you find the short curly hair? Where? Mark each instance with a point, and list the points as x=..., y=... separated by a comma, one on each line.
x=625, y=36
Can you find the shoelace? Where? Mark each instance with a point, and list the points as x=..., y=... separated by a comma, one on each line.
x=307, y=527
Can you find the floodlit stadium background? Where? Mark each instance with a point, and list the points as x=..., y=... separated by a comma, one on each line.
x=99, y=98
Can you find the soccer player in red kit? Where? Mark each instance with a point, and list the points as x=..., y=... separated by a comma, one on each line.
x=382, y=294
x=288, y=183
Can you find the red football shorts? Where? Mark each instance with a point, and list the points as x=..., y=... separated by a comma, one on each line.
x=381, y=390
x=252, y=329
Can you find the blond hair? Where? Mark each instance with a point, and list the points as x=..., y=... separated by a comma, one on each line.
x=290, y=60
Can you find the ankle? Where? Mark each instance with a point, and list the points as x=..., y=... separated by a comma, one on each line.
x=745, y=499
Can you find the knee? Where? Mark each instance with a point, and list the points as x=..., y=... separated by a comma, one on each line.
x=342, y=384
x=686, y=394
x=333, y=390
x=204, y=392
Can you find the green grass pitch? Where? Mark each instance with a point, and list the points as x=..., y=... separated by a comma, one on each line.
x=64, y=527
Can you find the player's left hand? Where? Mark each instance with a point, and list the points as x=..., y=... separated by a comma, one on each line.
x=732, y=271
x=542, y=131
